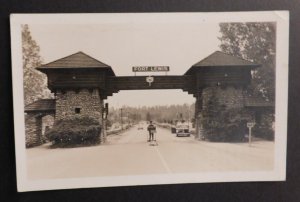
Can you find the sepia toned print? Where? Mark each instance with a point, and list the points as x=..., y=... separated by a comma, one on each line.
x=129, y=101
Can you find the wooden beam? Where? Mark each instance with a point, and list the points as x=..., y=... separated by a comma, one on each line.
x=140, y=83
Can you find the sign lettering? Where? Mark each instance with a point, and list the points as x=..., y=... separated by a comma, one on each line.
x=150, y=69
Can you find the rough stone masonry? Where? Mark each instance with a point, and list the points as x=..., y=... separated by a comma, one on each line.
x=84, y=102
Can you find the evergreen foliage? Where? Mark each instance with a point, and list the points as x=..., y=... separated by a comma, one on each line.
x=162, y=114
x=223, y=124
x=35, y=86
x=264, y=128
x=74, y=132
x=255, y=42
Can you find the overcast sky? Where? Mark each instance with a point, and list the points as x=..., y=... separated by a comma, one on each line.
x=133, y=43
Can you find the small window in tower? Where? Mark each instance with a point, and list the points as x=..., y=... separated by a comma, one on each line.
x=95, y=93
x=77, y=110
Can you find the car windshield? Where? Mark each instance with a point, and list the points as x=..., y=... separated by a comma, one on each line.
x=182, y=126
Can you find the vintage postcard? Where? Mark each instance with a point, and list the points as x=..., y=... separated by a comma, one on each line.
x=149, y=98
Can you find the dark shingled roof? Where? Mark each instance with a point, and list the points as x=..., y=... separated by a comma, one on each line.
x=41, y=105
x=257, y=102
x=76, y=60
x=220, y=59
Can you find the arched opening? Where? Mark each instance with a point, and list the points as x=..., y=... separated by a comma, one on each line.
x=39, y=117
x=132, y=111
x=47, y=123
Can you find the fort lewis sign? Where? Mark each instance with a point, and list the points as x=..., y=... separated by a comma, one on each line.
x=150, y=69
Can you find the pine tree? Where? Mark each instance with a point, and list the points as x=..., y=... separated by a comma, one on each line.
x=35, y=86
x=255, y=42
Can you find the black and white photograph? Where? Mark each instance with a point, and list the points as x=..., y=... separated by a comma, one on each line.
x=105, y=100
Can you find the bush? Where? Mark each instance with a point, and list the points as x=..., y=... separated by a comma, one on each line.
x=264, y=128
x=263, y=132
x=222, y=124
x=77, y=131
x=227, y=125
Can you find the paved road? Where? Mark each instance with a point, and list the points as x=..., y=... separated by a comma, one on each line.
x=129, y=153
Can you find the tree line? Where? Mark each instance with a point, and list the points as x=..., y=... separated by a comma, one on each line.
x=162, y=114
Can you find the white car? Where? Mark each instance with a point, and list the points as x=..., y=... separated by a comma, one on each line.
x=182, y=130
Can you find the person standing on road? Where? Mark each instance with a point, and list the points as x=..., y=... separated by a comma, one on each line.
x=151, y=129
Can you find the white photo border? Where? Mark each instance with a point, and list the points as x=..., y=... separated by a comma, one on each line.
x=282, y=40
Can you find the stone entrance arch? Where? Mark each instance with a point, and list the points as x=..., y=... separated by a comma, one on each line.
x=81, y=83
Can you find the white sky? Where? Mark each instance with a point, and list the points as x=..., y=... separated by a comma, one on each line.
x=133, y=43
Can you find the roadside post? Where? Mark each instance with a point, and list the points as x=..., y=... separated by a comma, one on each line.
x=250, y=125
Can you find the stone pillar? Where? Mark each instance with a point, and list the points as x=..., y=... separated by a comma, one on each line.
x=198, y=108
x=33, y=130
x=220, y=98
x=102, y=123
x=39, y=128
x=229, y=96
x=104, y=134
x=195, y=117
x=80, y=103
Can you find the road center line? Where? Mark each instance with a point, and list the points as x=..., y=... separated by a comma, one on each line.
x=163, y=160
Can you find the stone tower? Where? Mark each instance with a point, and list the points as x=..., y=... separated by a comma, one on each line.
x=77, y=81
x=225, y=76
